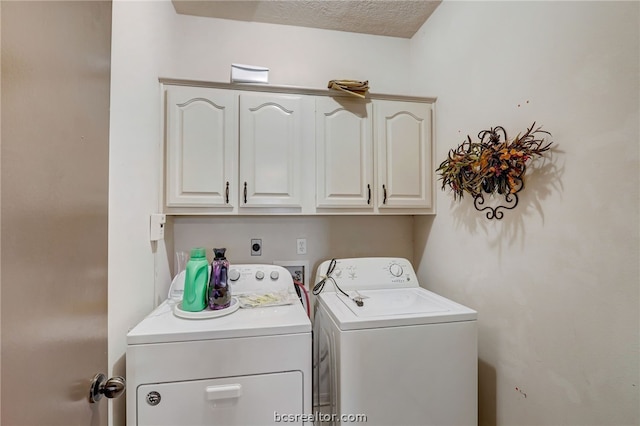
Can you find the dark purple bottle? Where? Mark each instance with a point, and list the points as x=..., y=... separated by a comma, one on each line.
x=219, y=292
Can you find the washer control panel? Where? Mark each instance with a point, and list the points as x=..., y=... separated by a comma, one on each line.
x=370, y=273
x=396, y=270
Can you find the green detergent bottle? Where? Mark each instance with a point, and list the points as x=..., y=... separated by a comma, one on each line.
x=196, y=280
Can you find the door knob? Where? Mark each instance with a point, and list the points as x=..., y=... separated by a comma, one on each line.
x=100, y=386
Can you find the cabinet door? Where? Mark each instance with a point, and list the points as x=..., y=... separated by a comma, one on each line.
x=271, y=138
x=344, y=153
x=403, y=139
x=202, y=138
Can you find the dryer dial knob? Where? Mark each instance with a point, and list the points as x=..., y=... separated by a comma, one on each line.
x=234, y=275
x=274, y=275
x=259, y=275
x=396, y=270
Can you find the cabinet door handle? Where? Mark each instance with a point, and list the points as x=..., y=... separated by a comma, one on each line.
x=245, y=192
x=368, y=194
x=384, y=194
x=226, y=193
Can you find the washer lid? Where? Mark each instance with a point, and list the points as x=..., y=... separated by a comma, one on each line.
x=392, y=308
x=162, y=326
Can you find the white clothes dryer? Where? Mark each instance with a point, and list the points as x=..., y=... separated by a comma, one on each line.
x=390, y=352
x=240, y=367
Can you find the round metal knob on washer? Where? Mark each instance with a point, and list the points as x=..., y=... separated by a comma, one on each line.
x=259, y=275
x=274, y=275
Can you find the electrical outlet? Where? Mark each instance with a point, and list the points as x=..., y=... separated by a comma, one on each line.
x=301, y=246
x=299, y=270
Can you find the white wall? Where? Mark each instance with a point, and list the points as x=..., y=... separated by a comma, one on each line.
x=205, y=48
x=151, y=41
x=327, y=237
x=556, y=282
x=139, y=46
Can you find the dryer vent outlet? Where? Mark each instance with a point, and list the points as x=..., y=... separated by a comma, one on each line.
x=256, y=247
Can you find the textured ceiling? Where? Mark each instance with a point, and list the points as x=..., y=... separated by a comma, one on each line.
x=393, y=18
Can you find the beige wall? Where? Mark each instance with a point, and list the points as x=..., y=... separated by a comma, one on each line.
x=556, y=283
x=0, y=217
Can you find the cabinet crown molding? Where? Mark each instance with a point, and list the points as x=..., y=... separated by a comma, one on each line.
x=253, y=87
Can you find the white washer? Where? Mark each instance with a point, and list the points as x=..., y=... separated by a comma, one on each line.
x=244, y=368
x=407, y=356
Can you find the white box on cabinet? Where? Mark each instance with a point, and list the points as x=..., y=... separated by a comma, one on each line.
x=249, y=74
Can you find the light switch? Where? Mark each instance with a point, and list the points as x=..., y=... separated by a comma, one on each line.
x=156, y=231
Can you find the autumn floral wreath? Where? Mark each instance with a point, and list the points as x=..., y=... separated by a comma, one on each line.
x=492, y=165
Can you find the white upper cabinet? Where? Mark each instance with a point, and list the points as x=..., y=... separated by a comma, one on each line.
x=201, y=140
x=344, y=153
x=272, y=132
x=259, y=149
x=404, y=150
x=348, y=134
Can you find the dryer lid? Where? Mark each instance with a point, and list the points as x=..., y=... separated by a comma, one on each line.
x=162, y=326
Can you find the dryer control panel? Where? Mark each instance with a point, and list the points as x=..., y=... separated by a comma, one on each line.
x=258, y=278
x=368, y=273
